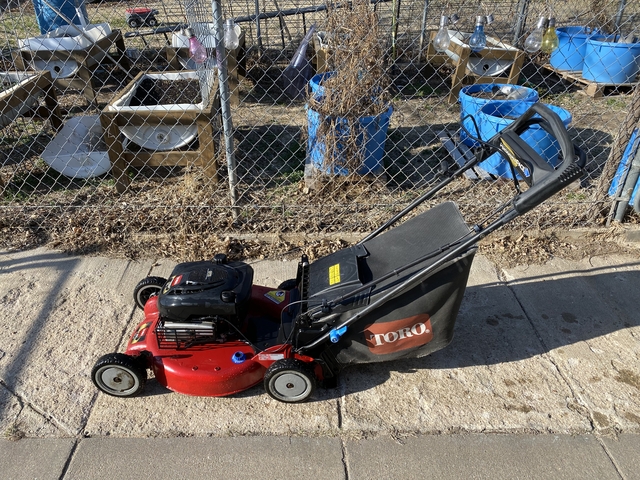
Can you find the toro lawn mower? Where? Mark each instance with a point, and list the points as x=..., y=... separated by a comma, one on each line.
x=207, y=330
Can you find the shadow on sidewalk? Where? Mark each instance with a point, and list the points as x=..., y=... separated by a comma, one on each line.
x=502, y=323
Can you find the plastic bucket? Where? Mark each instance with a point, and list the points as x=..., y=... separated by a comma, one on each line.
x=611, y=62
x=471, y=105
x=495, y=116
x=572, y=43
x=48, y=19
x=372, y=133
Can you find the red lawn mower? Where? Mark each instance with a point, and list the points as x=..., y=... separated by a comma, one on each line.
x=138, y=17
x=207, y=330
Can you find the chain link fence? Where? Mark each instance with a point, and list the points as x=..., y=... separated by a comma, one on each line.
x=116, y=135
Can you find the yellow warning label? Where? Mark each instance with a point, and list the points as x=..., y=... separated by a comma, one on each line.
x=334, y=274
x=276, y=296
x=512, y=156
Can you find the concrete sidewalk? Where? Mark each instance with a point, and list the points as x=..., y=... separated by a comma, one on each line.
x=492, y=456
x=541, y=380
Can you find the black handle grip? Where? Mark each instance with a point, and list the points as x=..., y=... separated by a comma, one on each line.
x=550, y=182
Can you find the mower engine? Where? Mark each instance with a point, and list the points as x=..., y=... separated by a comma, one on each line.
x=202, y=302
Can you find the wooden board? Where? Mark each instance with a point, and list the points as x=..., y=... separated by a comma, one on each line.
x=39, y=83
x=592, y=89
x=122, y=158
x=83, y=79
x=461, y=77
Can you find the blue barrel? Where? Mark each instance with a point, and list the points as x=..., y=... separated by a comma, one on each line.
x=495, y=116
x=572, y=43
x=48, y=19
x=315, y=84
x=372, y=134
x=471, y=105
x=611, y=62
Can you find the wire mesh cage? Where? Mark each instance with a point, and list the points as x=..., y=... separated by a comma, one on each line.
x=128, y=145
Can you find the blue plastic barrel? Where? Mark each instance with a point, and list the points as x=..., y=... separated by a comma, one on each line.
x=572, y=44
x=48, y=19
x=372, y=133
x=494, y=116
x=471, y=105
x=315, y=84
x=611, y=62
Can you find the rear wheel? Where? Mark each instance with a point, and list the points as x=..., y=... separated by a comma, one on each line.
x=290, y=380
x=146, y=288
x=153, y=22
x=133, y=23
x=119, y=375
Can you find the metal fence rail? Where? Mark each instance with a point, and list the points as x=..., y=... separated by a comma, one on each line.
x=115, y=137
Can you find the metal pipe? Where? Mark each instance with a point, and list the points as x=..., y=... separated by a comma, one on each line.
x=629, y=185
x=521, y=19
x=423, y=28
x=295, y=11
x=225, y=106
x=257, y=18
x=620, y=13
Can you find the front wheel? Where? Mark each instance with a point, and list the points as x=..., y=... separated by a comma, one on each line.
x=146, y=288
x=133, y=23
x=119, y=375
x=153, y=22
x=290, y=381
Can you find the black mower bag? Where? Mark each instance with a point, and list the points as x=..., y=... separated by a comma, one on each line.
x=412, y=323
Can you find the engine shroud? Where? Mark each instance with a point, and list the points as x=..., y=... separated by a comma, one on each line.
x=205, y=289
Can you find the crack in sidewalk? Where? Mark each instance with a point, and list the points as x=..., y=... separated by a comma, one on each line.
x=24, y=403
x=581, y=407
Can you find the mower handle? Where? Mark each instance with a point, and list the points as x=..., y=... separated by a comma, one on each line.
x=545, y=181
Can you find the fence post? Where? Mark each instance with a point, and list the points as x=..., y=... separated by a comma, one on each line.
x=620, y=13
x=521, y=20
x=225, y=105
x=423, y=28
x=618, y=146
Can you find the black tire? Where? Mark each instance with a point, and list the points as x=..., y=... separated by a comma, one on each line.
x=288, y=284
x=152, y=22
x=119, y=375
x=133, y=23
x=146, y=288
x=290, y=381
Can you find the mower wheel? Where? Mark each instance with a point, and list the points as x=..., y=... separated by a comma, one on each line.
x=290, y=380
x=146, y=288
x=152, y=22
x=288, y=284
x=119, y=375
x=133, y=23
